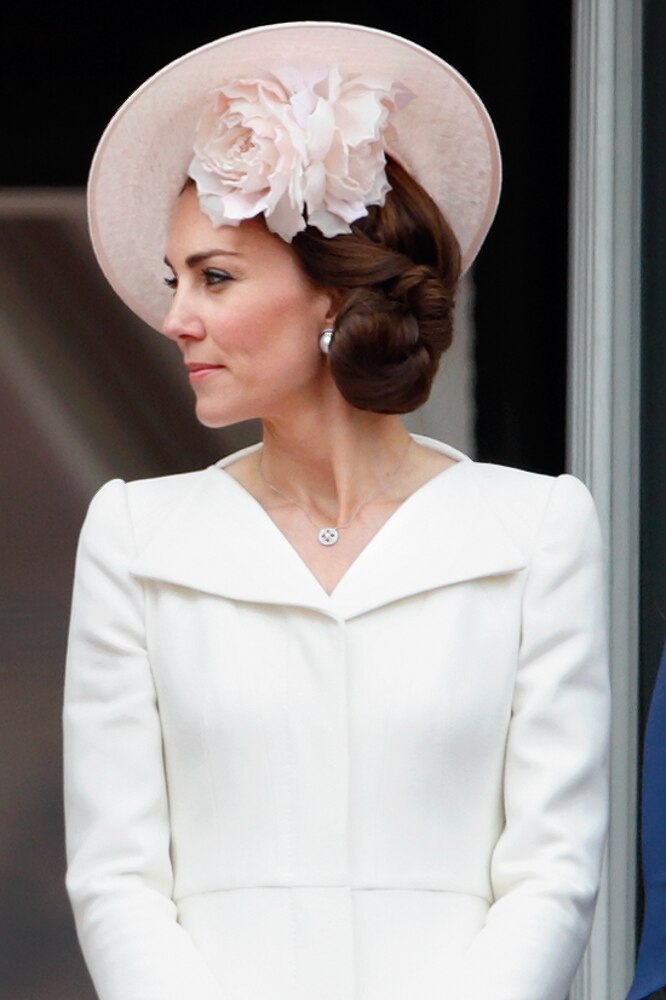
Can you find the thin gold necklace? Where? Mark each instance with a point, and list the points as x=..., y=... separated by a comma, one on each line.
x=330, y=534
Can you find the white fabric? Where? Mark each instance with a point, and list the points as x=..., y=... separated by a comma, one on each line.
x=395, y=791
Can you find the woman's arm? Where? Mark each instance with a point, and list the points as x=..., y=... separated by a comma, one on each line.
x=119, y=876
x=546, y=865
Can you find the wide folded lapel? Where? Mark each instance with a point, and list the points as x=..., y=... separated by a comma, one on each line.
x=216, y=538
x=445, y=533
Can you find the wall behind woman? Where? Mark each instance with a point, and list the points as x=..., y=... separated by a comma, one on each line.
x=72, y=418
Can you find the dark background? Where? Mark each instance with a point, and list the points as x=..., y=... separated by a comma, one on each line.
x=65, y=69
x=653, y=388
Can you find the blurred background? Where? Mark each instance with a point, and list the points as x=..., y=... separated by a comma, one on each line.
x=87, y=392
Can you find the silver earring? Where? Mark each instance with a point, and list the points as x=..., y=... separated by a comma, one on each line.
x=325, y=339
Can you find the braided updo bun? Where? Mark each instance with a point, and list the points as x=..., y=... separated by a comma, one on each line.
x=398, y=271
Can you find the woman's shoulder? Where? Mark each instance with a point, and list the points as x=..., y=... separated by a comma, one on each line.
x=142, y=507
x=533, y=509
x=515, y=485
x=146, y=498
x=541, y=512
x=508, y=486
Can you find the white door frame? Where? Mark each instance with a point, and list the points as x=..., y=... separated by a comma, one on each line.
x=603, y=413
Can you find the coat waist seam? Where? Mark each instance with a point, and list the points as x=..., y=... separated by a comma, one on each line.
x=333, y=888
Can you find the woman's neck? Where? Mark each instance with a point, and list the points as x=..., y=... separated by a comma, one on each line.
x=331, y=463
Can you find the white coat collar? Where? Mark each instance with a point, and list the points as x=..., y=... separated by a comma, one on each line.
x=219, y=540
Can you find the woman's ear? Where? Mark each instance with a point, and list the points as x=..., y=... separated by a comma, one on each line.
x=335, y=298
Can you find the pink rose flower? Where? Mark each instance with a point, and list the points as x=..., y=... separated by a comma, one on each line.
x=299, y=146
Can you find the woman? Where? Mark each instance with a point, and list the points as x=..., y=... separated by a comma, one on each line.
x=336, y=707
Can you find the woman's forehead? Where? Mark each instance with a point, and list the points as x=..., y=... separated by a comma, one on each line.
x=189, y=223
x=250, y=244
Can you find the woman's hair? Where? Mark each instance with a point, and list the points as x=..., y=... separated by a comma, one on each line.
x=398, y=271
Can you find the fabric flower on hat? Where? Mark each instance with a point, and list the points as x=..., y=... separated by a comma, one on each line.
x=300, y=146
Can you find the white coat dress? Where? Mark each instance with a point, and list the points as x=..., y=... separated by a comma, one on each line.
x=394, y=792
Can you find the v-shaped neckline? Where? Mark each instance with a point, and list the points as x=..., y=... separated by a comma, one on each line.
x=210, y=538
x=460, y=460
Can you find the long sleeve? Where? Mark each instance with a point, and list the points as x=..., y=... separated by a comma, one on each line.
x=117, y=818
x=546, y=865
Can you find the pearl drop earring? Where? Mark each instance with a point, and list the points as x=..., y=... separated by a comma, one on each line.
x=325, y=339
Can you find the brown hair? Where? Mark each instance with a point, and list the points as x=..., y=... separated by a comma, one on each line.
x=398, y=271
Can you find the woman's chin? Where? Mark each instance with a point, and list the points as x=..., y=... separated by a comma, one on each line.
x=216, y=417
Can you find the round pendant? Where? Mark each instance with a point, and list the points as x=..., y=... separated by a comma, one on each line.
x=328, y=536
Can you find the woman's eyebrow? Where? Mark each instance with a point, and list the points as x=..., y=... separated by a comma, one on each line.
x=197, y=258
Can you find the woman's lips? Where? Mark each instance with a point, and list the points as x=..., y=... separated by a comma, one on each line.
x=199, y=370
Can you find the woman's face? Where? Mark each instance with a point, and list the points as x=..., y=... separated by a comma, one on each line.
x=245, y=316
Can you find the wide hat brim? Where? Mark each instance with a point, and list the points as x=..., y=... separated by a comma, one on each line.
x=445, y=138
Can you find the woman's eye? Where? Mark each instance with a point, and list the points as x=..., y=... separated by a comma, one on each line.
x=211, y=276
x=214, y=276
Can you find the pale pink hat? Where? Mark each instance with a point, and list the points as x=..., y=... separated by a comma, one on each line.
x=444, y=137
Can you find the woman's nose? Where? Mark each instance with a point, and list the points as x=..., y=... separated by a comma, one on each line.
x=182, y=321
